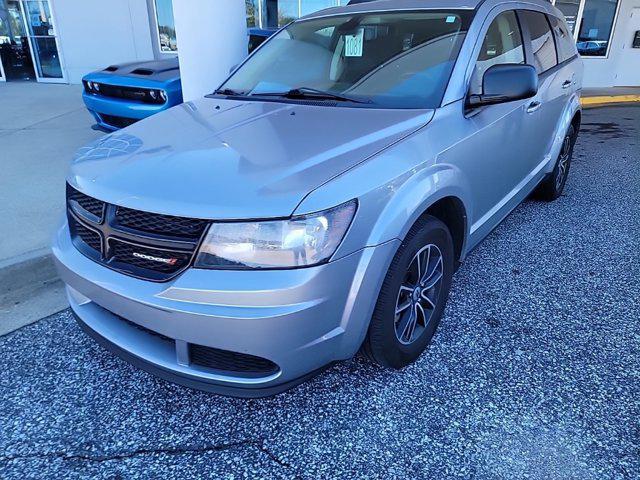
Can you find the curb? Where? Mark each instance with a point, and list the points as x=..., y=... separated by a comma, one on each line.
x=29, y=290
x=601, y=100
x=33, y=268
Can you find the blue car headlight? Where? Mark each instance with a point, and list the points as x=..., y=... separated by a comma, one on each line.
x=300, y=241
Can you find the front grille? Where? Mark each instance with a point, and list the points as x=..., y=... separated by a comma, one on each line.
x=118, y=122
x=240, y=364
x=160, y=224
x=136, y=94
x=91, y=238
x=90, y=204
x=147, y=258
x=141, y=244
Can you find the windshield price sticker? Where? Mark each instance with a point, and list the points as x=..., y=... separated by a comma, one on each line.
x=353, y=44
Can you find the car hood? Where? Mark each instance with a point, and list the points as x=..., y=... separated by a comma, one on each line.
x=227, y=159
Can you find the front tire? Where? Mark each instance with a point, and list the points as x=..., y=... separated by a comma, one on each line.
x=413, y=296
x=553, y=184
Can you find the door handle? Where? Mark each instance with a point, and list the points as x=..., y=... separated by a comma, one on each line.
x=534, y=106
x=567, y=84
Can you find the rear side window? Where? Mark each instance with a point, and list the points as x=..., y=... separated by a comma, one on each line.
x=542, y=42
x=501, y=44
x=564, y=40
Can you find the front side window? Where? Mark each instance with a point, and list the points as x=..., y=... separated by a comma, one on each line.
x=501, y=44
x=596, y=27
x=542, y=42
x=389, y=60
x=166, y=26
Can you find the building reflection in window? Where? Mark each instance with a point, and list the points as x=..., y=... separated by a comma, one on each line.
x=569, y=9
x=596, y=27
x=166, y=26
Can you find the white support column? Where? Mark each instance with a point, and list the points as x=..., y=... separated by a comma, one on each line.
x=212, y=38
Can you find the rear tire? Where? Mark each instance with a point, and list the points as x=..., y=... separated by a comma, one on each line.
x=552, y=185
x=413, y=296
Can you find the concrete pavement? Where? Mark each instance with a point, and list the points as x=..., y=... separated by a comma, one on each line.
x=41, y=127
x=534, y=372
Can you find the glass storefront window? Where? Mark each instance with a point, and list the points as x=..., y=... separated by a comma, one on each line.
x=166, y=26
x=255, y=13
x=43, y=42
x=596, y=27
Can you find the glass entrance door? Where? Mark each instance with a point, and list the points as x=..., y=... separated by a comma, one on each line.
x=43, y=41
x=15, y=55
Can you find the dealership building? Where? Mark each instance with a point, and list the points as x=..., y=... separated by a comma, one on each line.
x=58, y=41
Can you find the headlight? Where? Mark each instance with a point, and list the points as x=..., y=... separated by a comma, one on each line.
x=163, y=95
x=297, y=242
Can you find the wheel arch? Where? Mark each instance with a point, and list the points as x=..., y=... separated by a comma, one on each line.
x=572, y=115
x=450, y=210
x=442, y=194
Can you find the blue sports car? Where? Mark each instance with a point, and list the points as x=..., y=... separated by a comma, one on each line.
x=122, y=94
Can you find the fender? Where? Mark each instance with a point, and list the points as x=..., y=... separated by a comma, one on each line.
x=394, y=193
x=572, y=106
x=413, y=199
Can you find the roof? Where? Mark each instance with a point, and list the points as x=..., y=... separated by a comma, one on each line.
x=390, y=5
x=356, y=6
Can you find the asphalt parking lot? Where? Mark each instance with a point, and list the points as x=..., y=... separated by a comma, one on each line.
x=534, y=373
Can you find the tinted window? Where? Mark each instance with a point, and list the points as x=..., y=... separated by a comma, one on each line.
x=502, y=44
x=542, y=43
x=564, y=41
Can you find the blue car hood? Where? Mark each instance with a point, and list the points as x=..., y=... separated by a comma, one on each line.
x=227, y=159
x=164, y=70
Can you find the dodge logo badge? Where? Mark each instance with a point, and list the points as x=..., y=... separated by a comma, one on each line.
x=168, y=261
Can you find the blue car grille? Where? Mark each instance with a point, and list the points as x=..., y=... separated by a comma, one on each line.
x=136, y=94
x=141, y=244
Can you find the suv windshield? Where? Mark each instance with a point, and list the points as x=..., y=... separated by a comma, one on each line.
x=389, y=60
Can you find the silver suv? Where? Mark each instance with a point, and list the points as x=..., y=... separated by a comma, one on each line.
x=319, y=202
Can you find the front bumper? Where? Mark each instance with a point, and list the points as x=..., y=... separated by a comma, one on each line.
x=300, y=319
x=101, y=107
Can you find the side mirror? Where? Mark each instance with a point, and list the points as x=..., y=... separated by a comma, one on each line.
x=506, y=83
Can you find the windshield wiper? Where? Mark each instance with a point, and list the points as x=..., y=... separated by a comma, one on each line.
x=307, y=92
x=229, y=92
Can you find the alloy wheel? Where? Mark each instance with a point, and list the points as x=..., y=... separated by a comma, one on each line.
x=418, y=294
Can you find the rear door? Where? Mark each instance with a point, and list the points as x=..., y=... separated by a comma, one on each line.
x=555, y=81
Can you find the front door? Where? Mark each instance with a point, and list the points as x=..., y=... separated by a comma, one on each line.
x=628, y=71
x=493, y=153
